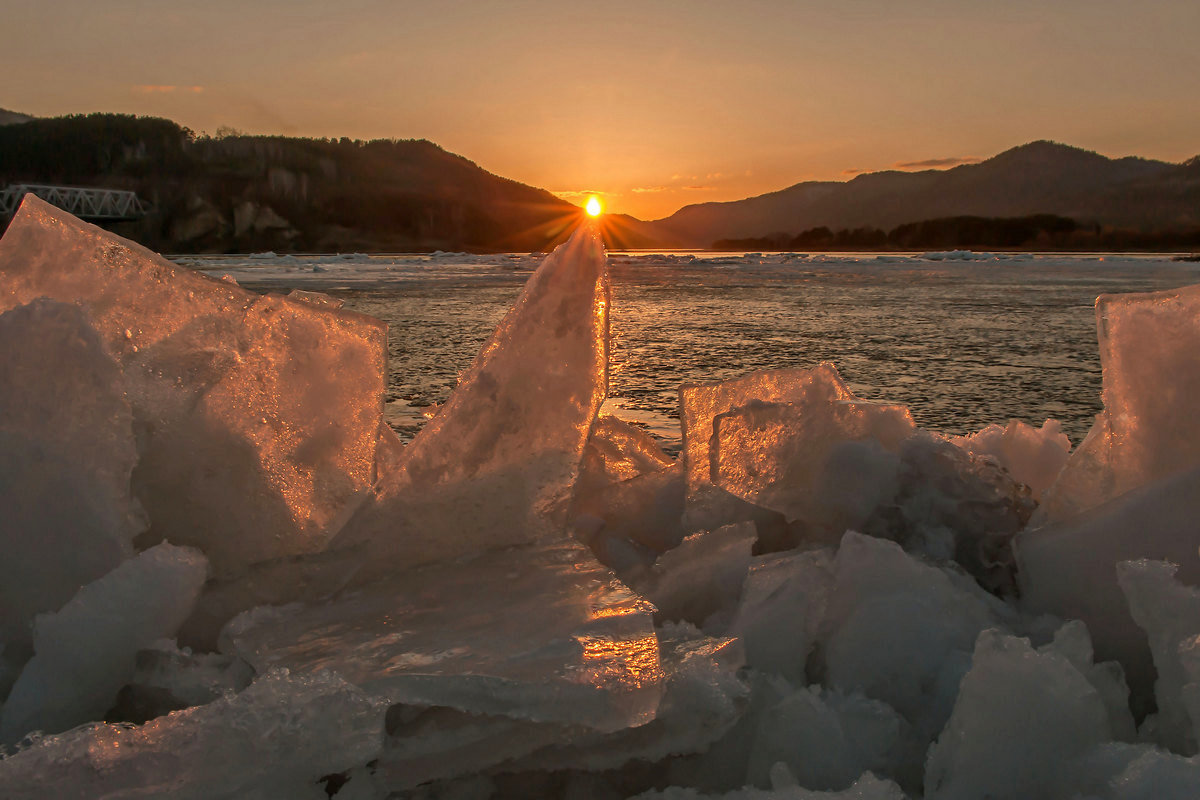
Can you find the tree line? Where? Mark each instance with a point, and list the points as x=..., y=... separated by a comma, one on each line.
x=1034, y=232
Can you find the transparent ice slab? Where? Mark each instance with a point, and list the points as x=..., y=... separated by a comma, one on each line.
x=540, y=633
x=66, y=455
x=496, y=465
x=256, y=417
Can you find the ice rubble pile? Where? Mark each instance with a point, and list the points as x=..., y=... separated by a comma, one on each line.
x=225, y=577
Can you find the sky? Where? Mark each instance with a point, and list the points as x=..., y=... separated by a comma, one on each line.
x=652, y=105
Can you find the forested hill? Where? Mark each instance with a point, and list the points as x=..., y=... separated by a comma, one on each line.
x=1124, y=197
x=248, y=193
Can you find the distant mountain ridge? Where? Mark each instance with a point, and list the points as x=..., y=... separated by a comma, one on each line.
x=1041, y=177
x=247, y=193
x=12, y=117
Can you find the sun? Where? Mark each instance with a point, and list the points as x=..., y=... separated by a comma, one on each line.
x=593, y=207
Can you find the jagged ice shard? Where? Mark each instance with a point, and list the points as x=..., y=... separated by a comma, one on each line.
x=256, y=417
x=496, y=465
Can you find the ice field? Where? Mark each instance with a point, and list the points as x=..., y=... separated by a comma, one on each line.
x=226, y=576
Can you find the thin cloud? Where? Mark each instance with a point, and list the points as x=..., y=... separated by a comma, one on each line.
x=700, y=188
x=935, y=163
x=853, y=171
x=650, y=189
x=567, y=194
x=156, y=88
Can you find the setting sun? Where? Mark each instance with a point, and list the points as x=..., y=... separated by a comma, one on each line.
x=592, y=206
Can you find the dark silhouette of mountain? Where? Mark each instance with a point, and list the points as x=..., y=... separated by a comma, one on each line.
x=245, y=193
x=13, y=117
x=1036, y=178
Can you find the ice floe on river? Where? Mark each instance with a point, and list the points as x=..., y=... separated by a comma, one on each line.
x=225, y=577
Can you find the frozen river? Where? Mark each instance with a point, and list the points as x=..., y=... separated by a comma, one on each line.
x=962, y=339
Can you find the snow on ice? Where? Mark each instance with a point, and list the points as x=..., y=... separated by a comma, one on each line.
x=225, y=577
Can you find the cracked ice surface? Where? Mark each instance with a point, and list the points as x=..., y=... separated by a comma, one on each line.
x=256, y=417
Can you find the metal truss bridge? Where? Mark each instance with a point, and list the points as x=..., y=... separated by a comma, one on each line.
x=85, y=203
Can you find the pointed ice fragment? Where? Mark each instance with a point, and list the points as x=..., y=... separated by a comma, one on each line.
x=700, y=404
x=87, y=651
x=496, y=465
x=256, y=417
x=66, y=455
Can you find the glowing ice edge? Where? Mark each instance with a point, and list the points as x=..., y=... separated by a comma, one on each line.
x=818, y=600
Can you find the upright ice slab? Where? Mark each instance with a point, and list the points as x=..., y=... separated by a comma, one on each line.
x=86, y=651
x=701, y=403
x=496, y=465
x=256, y=417
x=66, y=456
x=1149, y=428
x=822, y=460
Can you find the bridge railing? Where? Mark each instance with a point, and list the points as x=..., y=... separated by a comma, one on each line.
x=83, y=202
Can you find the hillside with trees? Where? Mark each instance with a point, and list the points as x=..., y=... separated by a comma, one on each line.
x=236, y=193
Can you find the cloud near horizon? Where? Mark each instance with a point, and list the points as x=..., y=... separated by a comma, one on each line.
x=150, y=88
x=934, y=163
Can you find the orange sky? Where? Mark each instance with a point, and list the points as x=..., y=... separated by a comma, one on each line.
x=651, y=104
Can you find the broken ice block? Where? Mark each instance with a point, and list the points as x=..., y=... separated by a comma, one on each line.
x=827, y=739
x=1070, y=569
x=1148, y=345
x=617, y=451
x=700, y=404
x=1149, y=428
x=700, y=580
x=703, y=698
x=901, y=631
x=642, y=513
x=496, y=465
x=954, y=506
x=822, y=460
x=86, y=651
x=1019, y=715
x=571, y=645
x=1033, y=456
x=781, y=610
x=66, y=454
x=274, y=740
x=1117, y=771
x=256, y=417
x=1169, y=613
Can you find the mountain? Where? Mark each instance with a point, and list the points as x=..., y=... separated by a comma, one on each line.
x=248, y=193
x=12, y=117
x=1036, y=178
